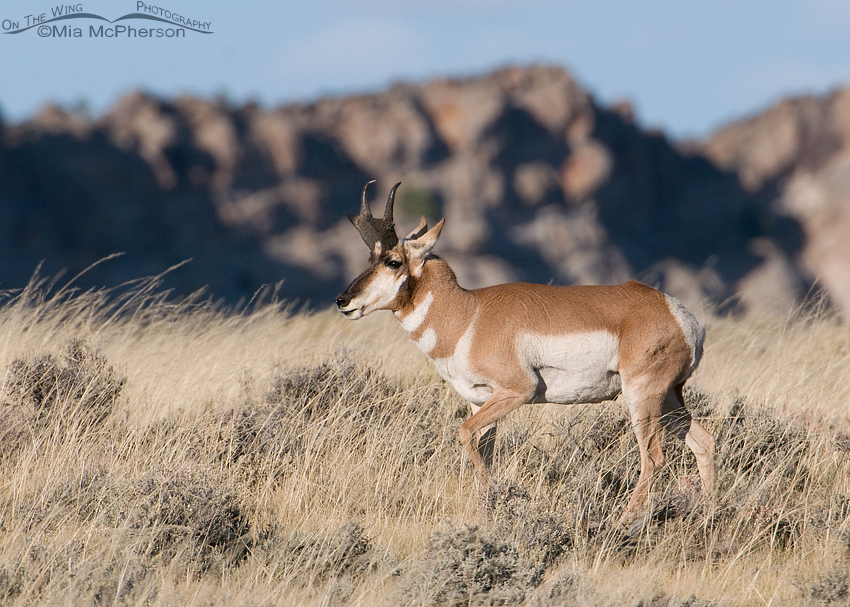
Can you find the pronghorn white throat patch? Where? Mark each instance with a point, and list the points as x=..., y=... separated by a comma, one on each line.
x=414, y=320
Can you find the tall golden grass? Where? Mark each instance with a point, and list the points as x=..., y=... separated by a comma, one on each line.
x=161, y=453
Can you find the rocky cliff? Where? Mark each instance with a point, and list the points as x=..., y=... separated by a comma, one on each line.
x=796, y=156
x=537, y=182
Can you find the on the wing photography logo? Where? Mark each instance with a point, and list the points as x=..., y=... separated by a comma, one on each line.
x=63, y=21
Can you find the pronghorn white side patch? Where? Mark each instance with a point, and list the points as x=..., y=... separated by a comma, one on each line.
x=428, y=340
x=693, y=329
x=414, y=320
x=455, y=369
x=573, y=368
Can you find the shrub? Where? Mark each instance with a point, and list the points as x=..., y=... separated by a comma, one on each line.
x=316, y=391
x=186, y=507
x=471, y=566
x=195, y=514
x=832, y=587
x=347, y=398
x=78, y=390
x=347, y=552
x=333, y=563
x=309, y=395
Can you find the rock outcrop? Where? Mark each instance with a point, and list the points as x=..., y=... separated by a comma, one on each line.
x=796, y=155
x=537, y=182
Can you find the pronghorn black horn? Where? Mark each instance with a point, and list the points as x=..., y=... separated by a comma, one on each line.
x=376, y=230
x=364, y=204
x=388, y=211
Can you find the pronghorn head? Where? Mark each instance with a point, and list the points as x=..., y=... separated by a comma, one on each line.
x=386, y=284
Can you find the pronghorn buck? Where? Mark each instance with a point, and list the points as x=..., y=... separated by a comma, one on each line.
x=504, y=346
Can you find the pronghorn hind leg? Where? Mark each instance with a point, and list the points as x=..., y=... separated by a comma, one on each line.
x=678, y=419
x=645, y=413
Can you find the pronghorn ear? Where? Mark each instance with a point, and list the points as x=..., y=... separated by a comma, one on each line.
x=376, y=252
x=420, y=247
x=420, y=229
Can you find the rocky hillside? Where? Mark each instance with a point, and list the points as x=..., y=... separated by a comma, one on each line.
x=536, y=180
x=796, y=155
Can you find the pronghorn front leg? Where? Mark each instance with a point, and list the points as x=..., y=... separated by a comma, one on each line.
x=486, y=438
x=500, y=403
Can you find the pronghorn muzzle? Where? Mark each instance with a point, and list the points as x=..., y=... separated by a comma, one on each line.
x=346, y=300
x=345, y=303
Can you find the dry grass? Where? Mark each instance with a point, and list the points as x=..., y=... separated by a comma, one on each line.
x=155, y=454
x=797, y=365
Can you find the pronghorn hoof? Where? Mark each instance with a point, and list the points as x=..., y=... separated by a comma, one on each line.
x=636, y=526
x=633, y=521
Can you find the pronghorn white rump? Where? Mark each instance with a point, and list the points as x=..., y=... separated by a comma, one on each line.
x=504, y=346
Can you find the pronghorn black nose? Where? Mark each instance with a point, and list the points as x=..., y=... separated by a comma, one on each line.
x=343, y=300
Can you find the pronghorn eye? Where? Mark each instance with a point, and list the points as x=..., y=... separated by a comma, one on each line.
x=394, y=264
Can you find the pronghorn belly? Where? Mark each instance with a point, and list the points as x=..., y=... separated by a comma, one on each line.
x=455, y=370
x=573, y=368
x=558, y=386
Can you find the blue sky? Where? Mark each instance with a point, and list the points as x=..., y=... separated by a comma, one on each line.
x=687, y=66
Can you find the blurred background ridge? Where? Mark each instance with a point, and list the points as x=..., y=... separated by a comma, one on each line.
x=536, y=179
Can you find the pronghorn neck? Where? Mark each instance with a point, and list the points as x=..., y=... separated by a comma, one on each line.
x=435, y=303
